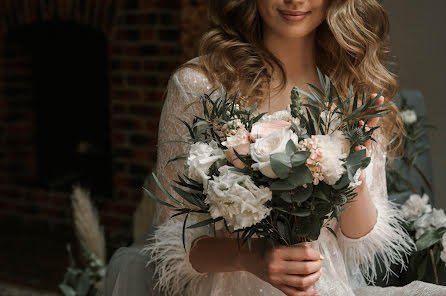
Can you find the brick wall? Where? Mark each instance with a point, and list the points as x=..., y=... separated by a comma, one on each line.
x=144, y=47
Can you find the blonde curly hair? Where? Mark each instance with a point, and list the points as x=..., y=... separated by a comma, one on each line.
x=352, y=48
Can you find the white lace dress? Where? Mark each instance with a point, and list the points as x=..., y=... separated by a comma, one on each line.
x=347, y=261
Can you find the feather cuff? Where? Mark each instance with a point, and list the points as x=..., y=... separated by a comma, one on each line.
x=388, y=242
x=173, y=269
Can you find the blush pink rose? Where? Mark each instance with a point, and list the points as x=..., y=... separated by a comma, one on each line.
x=263, y=129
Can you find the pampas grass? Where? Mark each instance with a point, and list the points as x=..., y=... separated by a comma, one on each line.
x=86, y=222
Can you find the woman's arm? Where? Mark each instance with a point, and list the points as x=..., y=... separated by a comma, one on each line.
x=360, y=217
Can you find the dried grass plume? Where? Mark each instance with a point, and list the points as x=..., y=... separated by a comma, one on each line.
x=86, y=222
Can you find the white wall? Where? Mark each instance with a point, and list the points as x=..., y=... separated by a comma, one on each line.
x=418, y=32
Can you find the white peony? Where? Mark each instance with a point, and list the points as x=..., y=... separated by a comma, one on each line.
x=235, y=197
x=334, y=148
x=200, y=159
x=416, y=206
x=443, y=253
x=262, y=149
x=409, y=116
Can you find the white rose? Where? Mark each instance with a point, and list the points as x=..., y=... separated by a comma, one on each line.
x=438, y=218
x=262, y=149
x=409, y=116
x=415, y=206
x=200, y=159
x=334, y=148
x=264, y=128
x=443, y=253
x=235, y=197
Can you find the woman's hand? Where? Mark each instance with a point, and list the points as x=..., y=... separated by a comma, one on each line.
x=292, y=269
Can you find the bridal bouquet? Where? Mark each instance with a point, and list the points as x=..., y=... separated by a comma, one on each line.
x=281, y=176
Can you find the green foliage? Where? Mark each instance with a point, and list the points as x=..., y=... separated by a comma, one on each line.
x=80, y=281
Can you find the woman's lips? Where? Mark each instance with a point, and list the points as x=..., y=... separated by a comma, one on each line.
x=293, y=15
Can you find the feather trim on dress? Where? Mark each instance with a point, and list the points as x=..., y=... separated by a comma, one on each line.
x=388, y=242
x=173, y=269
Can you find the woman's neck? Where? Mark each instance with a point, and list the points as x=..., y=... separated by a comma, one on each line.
x=296, y=55
x=299, y=62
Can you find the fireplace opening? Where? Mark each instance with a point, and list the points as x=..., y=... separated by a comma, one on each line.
x=71, y=105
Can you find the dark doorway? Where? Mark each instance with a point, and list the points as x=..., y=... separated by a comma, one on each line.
x=70, y=89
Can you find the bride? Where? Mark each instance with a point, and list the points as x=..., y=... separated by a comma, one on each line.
x=264, y=48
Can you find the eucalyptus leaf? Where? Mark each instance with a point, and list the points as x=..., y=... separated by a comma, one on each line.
x=290, y=147
x=67, y=290
x=301, y=212
x=299, y=158
x=300, y=175
x=428, y=239
x=301, y=194
x=356, y=160
x=280, y=164
x=278, y=184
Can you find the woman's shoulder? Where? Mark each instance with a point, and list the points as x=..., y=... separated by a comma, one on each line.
x=190, y=77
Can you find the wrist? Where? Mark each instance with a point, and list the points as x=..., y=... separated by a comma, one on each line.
x=247, y=259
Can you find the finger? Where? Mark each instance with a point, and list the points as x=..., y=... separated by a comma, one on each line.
x=292, y=291
x=367, y=125
x=372, y=122
x=378, y=102
x=302, y=267
x=301, y=253
x=302, y=282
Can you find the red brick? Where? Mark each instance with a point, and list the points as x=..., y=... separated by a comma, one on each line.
x=122, y=180
x=116, y=50
x=148, y=34
x=119, y=138
x=127, y=95
x=119, y=108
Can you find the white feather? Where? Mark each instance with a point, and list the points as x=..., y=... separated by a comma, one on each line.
x=173, y=269
x=388, y=241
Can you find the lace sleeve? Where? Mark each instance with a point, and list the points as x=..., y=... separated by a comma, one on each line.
x=180, y=104
x=387, y=242
x=171, y=260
